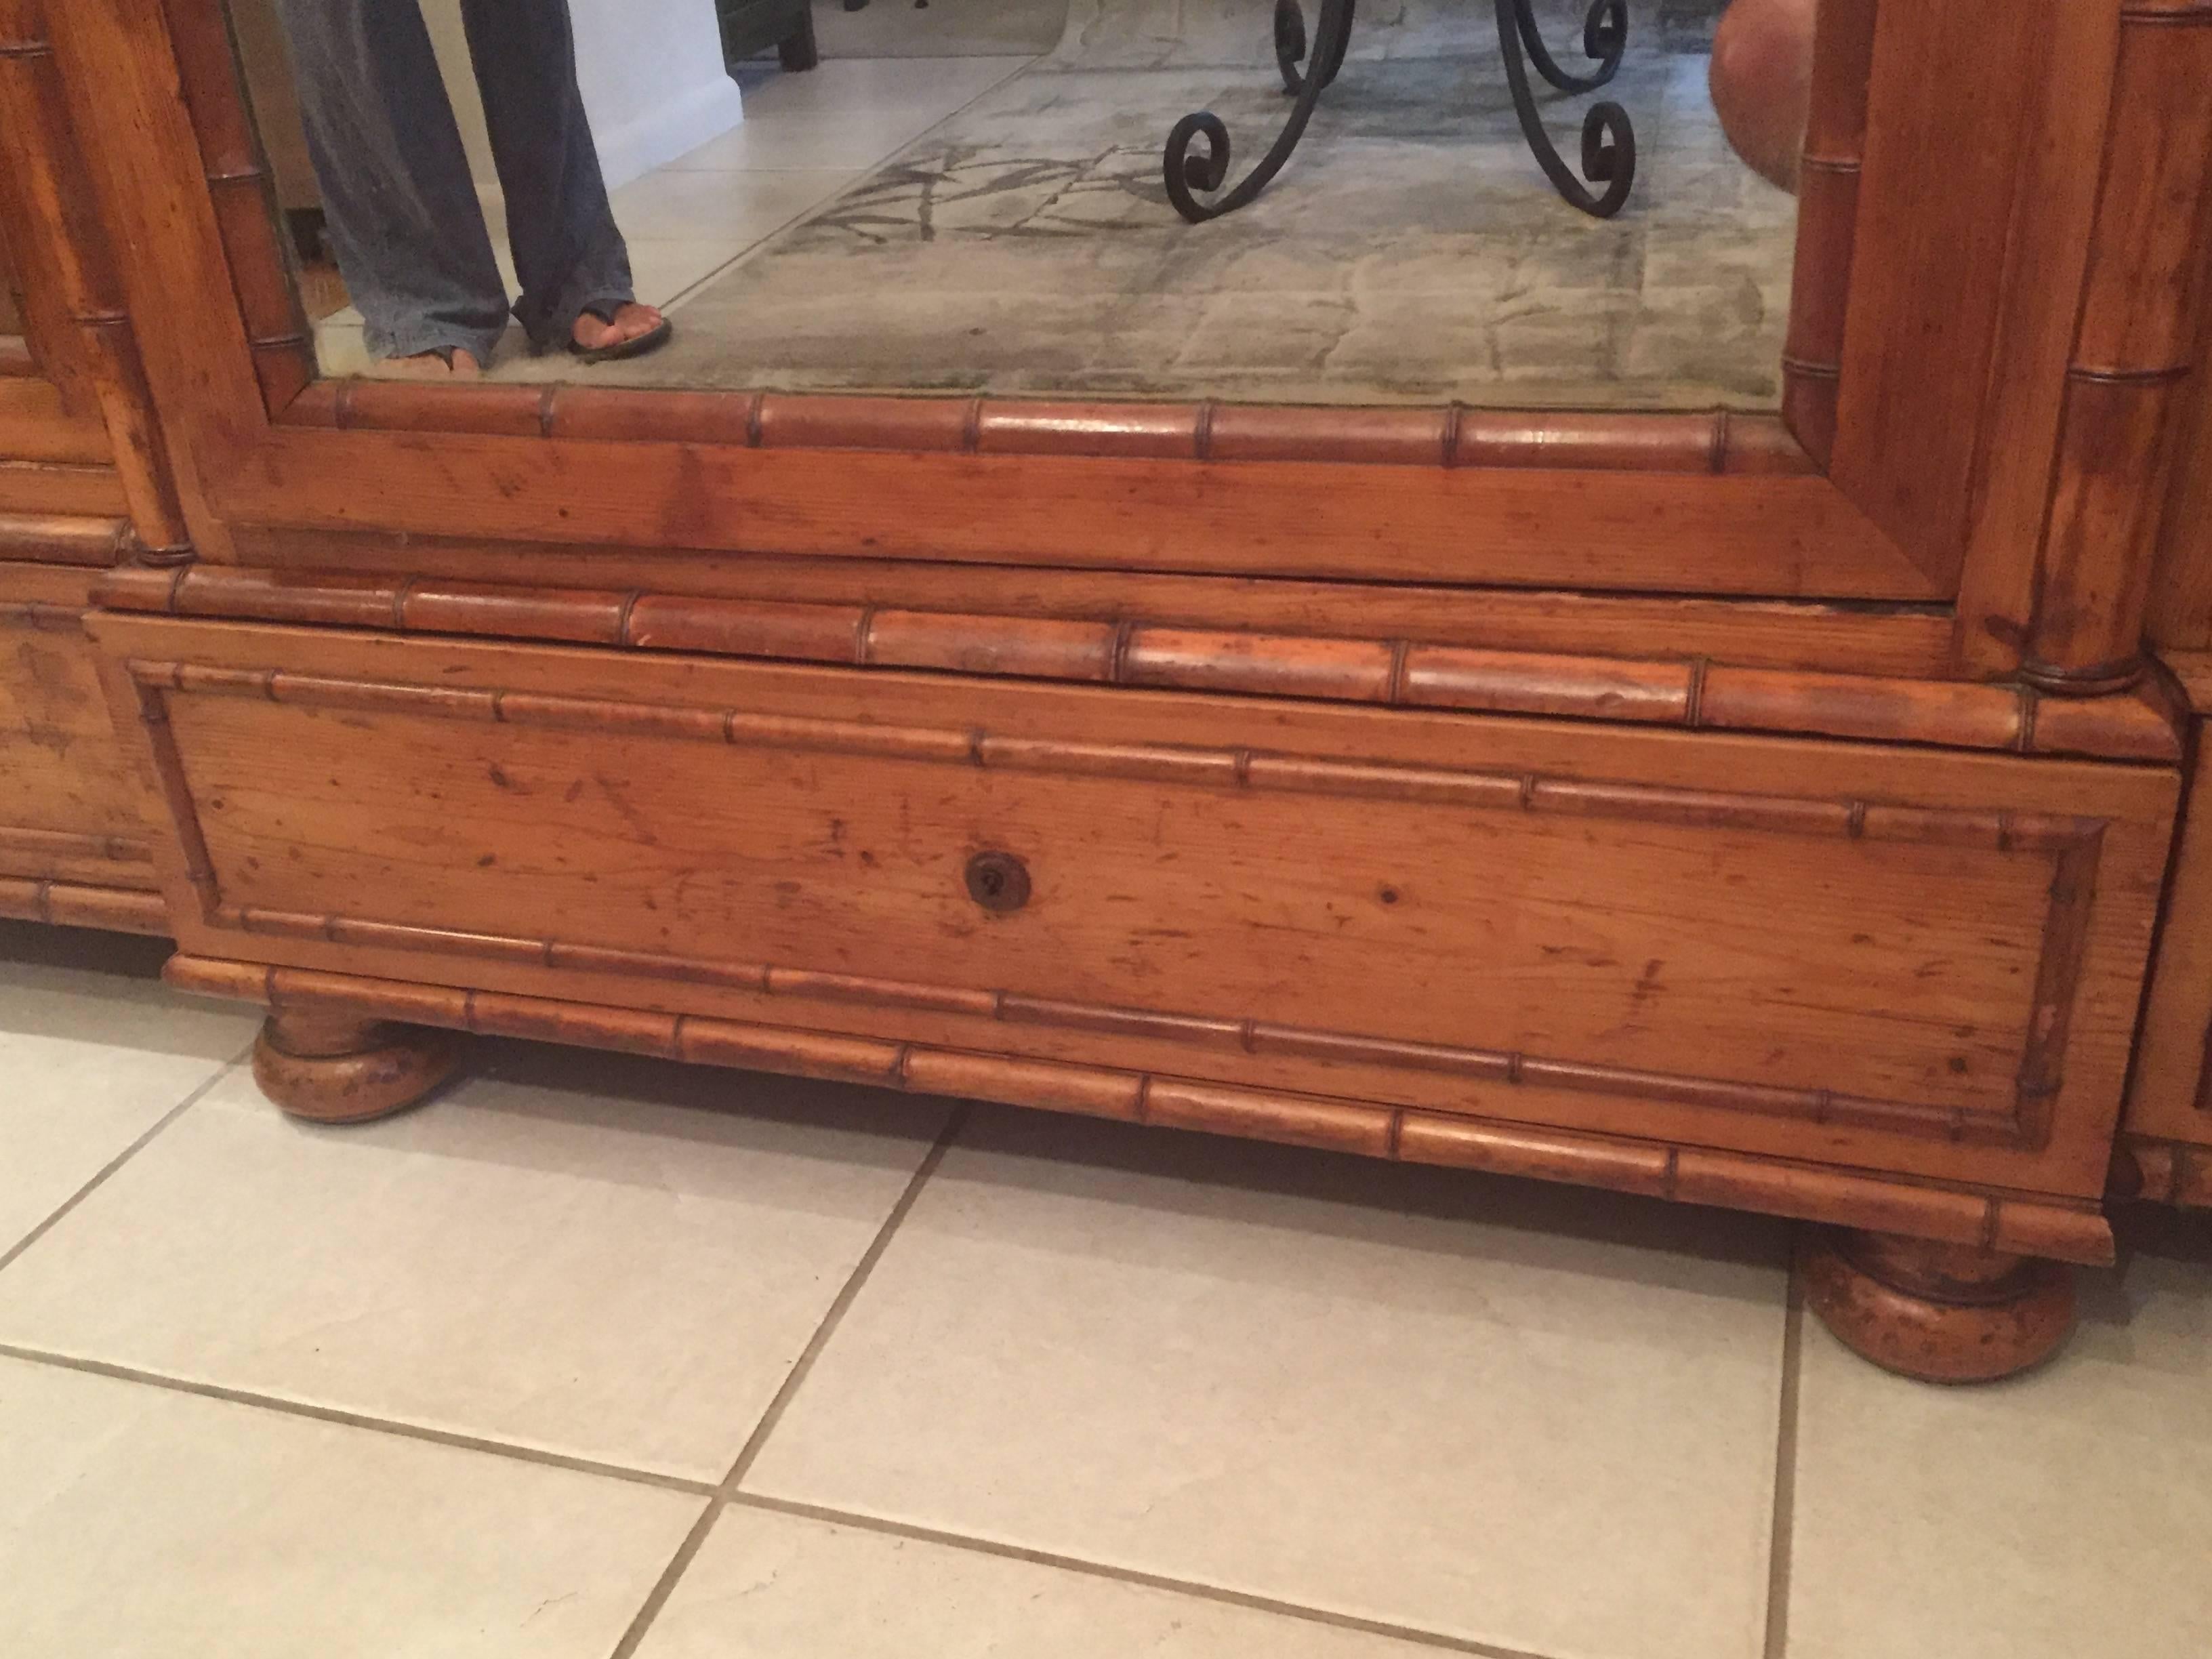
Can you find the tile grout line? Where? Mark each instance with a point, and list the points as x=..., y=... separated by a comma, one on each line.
x=664, y=1586
x=343, y=1419
x=863, y=174
x=1196, y=1588
x=100, y=1177
x=1781, y=1537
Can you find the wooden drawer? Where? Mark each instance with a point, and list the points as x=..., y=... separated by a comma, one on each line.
x=72, y=811
x=2169, y=1111
x=1910, y=961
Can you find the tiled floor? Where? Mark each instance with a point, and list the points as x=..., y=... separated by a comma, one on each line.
x=804, y=139
x=595, y=1356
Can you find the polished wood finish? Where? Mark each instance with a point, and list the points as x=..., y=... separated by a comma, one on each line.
x=1936, y=1312
x=47, y=201
x=74, y=836
x=1694, y=693
x=1994, y=910
x=2134, y=349
x=329, y=1068
x=2170, y=1092
x=1684, y=1174
x=1763, y=812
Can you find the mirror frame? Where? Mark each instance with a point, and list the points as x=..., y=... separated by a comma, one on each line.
x=1986, y=333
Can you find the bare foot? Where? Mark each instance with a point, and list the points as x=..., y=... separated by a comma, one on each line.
x=1762, y=80
x=459, y=365
x=632, y=321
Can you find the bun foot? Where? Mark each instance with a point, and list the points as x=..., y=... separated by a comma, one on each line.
x=328, y=1068
x=1939, y=1313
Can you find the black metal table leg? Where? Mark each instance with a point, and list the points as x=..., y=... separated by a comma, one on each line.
x=1608, y=155
x=1290, y=46
x=1310, y=65
x=1189, y=169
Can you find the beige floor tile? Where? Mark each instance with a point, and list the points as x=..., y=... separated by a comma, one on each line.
x=566, y=1255
x=2062, y=1514
x=93, y=1051
x=768, y=1586
x=138, y=1521
x=734, y=209
x=850, y=112
x=1532, y=1416
x=661, y=270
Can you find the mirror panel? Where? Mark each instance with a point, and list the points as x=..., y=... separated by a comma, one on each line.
x=1517, y=204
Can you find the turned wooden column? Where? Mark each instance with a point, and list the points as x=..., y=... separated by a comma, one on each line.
x=334, y=1068
x=2134, y=349
x=1938, y=1313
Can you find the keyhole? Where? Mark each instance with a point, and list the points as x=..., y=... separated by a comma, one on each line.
x=997, y=881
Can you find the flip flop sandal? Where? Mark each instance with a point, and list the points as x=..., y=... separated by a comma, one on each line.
x=652, y=340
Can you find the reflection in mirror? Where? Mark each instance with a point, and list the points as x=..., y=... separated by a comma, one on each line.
x=1509, y=203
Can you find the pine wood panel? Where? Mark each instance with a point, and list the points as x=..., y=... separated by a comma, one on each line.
x=1947, y=125
x=1756, y=534
x=1999, y=1220
x=1685, y=691
x=1363, y=881
x=2170, y=1095
x=70, y=810
x=1906, y=641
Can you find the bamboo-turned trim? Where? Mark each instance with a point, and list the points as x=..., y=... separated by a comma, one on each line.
x=1955, y=1126
x=2026, y=1223
x=2156, y=1172
x=34, y=118
x=66, y=844
x=75, y=904
x=1158, y=654
x=60, y=538
x=2134, y=345
x=242, y=189
x=1715, y=442
x=2072, y=843
x=1827, y=221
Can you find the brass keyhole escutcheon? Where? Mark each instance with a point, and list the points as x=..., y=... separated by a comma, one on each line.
x=999, y=882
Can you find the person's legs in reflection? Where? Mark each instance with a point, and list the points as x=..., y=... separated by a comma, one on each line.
x=569, y=257
x=1762, y=82
x=400, y=208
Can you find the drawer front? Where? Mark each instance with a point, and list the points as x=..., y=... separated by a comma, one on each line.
x=1907, y=960
x=71, y=808
x=2171, y=1097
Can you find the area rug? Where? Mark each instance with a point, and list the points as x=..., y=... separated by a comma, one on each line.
x=1411, y=251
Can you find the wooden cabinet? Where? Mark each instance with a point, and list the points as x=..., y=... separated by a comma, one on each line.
x=1760, y=810
x=1917, y=967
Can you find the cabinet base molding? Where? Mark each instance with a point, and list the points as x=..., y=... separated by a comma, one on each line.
x=332, y=1068
x=2176, y=1172
x=77, y=904
x=1938, y=1313
x=319, y=1020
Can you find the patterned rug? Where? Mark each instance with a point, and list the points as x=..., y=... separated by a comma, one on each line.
x=1411, y=251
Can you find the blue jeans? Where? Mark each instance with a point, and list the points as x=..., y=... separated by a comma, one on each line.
x=400, y=207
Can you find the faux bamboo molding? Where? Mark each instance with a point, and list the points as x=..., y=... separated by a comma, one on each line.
x=63, y=844
x=1690, y=695
x=243, y=191
x=73, y=904
x=1819, y=1106
x=2073, y=843
x=1827, y=223
x=1718, y=442
x=1999, y=1220
x=2135, y=344
x=50, y=194
x=2174, y=1172
x=57, y=539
